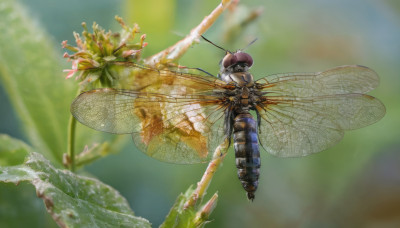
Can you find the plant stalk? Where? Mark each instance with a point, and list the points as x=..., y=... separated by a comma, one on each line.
x=71, y=141
x=177, y=50
x=218, y=157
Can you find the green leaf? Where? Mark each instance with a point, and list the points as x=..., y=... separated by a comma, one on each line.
x=12, y=151
x=31, y=73
x=72, y=200
x=182, y=215
x=19, y=202
x=19, y=207
x=179, y=216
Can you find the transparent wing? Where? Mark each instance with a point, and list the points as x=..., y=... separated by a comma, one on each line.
x=338, y=80
x=307, y=113
x=173, y=118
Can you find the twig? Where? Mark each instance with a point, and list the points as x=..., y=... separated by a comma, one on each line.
x=212, y=167
x=177, y=50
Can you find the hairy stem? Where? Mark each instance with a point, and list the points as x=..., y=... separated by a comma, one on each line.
x=177, y=50
x=212, y=167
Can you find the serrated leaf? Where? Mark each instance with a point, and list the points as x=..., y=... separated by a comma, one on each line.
x=19, y=207
x=12, y=151
x=72, y=200
x=31, y=73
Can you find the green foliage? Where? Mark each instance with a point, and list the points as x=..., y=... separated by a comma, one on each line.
x=30, y=72
x=32, y=76
x=178, y=216
x=20, y=207
x=72, y=200
x=182, y=215
x=12, y=151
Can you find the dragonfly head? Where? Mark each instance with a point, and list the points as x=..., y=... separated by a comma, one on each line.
x=235, y=67
x=237, y=62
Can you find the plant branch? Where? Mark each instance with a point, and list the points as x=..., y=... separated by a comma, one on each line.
x=212, y=167
x=177, y=50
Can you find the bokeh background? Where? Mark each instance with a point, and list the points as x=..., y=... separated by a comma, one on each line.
x=355, y=183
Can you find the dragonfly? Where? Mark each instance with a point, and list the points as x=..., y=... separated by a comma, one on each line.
x=181, y=118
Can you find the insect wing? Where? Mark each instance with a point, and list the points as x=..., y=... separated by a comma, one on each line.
x=173, y=117
x=184, y=131
x=308, y=113
x=107, y=110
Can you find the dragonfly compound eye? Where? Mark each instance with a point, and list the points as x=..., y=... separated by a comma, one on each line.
x=244, y=58
x=229, y=60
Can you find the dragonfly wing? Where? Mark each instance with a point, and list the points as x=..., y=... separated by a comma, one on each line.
x=338, y=80
x=308, y=113
x=175, y=119
x=107, y=110
x=187, y=132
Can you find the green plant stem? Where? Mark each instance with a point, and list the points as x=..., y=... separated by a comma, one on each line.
x=71, y=141
x=212, y=167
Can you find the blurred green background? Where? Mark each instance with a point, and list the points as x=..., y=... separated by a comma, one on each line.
x=355, y=183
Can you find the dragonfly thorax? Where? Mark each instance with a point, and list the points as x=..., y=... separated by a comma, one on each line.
x=240, y=79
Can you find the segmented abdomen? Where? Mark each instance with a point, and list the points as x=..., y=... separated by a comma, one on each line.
x=247, y=152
